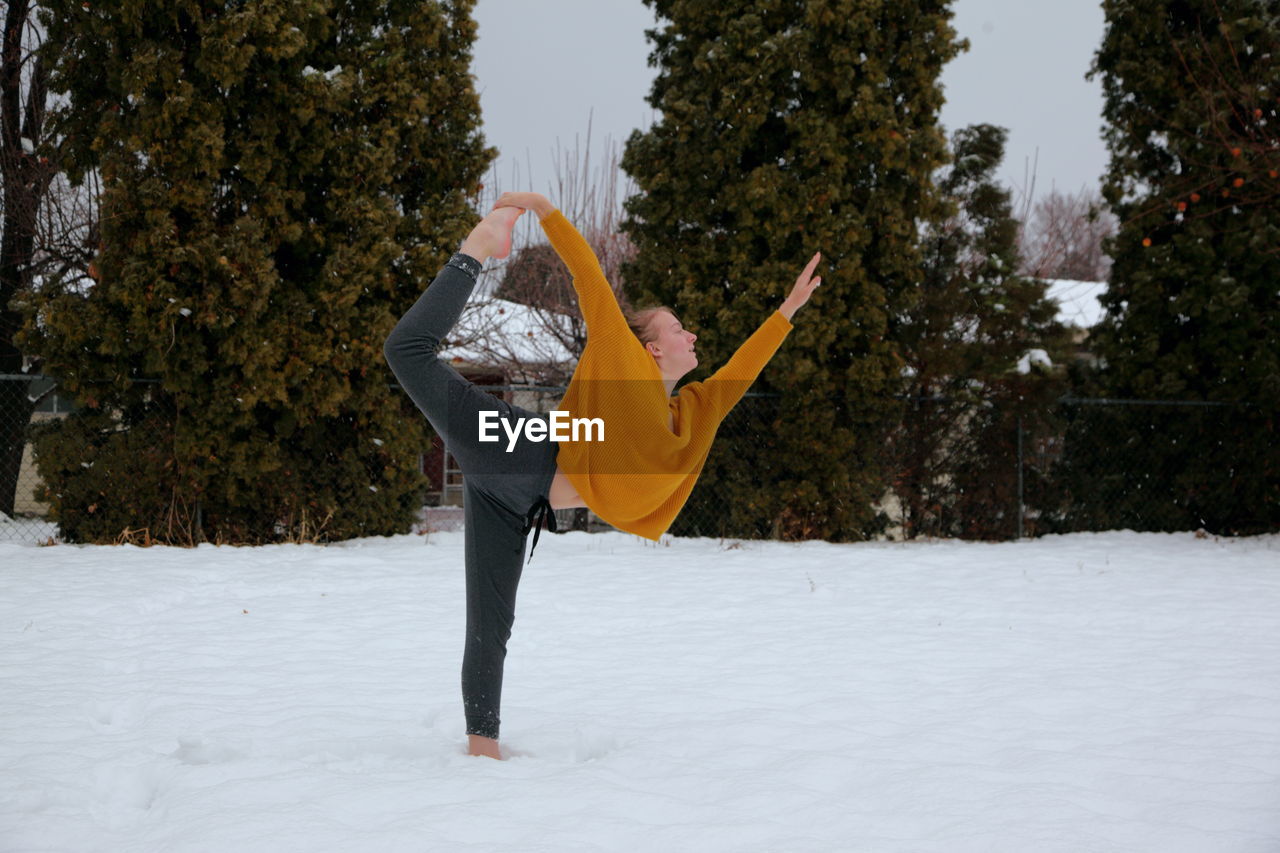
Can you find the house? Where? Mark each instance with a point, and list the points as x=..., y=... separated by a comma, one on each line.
x=51, y=405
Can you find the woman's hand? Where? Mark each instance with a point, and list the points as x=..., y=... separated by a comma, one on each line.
x=805, y=285
x=536, y=202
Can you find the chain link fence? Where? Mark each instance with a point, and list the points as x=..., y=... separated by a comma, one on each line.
x=1158, y=465
x=26, y=404
x=1081, y=464
x=991, y=472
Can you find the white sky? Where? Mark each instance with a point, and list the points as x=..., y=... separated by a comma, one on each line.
x=545, y=68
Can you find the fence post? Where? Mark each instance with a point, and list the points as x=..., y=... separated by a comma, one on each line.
x=1021, y=509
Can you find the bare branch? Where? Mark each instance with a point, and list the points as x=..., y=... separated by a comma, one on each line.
x=536, y=280
x=1063, y=237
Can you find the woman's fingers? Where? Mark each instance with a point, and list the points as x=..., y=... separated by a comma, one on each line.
x=504, y=200
x=514, y=199
x=809, y=268
x=813, y=263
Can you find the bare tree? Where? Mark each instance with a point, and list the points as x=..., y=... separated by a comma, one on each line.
x=546, y=345
x=593, y=202
x=26, y=173
x=48, y=227
x=67, y=232
x=1062, y=237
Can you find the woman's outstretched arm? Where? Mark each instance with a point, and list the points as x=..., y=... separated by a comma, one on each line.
x=727, y=385
x=754, y=353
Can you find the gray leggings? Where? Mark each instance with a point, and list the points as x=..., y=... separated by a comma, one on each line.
x=499, y=488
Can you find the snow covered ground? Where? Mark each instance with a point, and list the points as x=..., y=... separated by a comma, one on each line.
x=1094, y=692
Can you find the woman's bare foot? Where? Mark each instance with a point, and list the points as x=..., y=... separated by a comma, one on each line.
x=486, y=746
x=491, y=238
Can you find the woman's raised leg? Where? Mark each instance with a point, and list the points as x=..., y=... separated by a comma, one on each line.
x=413, y=347
x=494, y=540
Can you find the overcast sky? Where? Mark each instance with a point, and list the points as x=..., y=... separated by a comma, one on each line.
x=545, y=67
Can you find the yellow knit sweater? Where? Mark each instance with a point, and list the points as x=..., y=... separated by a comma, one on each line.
x=639, y=477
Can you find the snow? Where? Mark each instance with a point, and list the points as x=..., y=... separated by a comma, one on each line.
x=329, y=75
x=25, y=530
x=1078, y=301
x=1100, y=692
x=509, y=331
x=1033, y=357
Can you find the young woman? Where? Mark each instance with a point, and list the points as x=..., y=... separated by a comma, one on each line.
x=636, y=477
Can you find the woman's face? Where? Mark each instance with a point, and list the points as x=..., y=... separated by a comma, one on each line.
x=672, y=345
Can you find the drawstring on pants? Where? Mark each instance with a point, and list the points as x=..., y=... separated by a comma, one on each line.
x=538, y=513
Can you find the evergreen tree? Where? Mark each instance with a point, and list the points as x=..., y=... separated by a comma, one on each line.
x=962, y=341
x=785, y=128
x=1192, y=312
x=281, y=178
